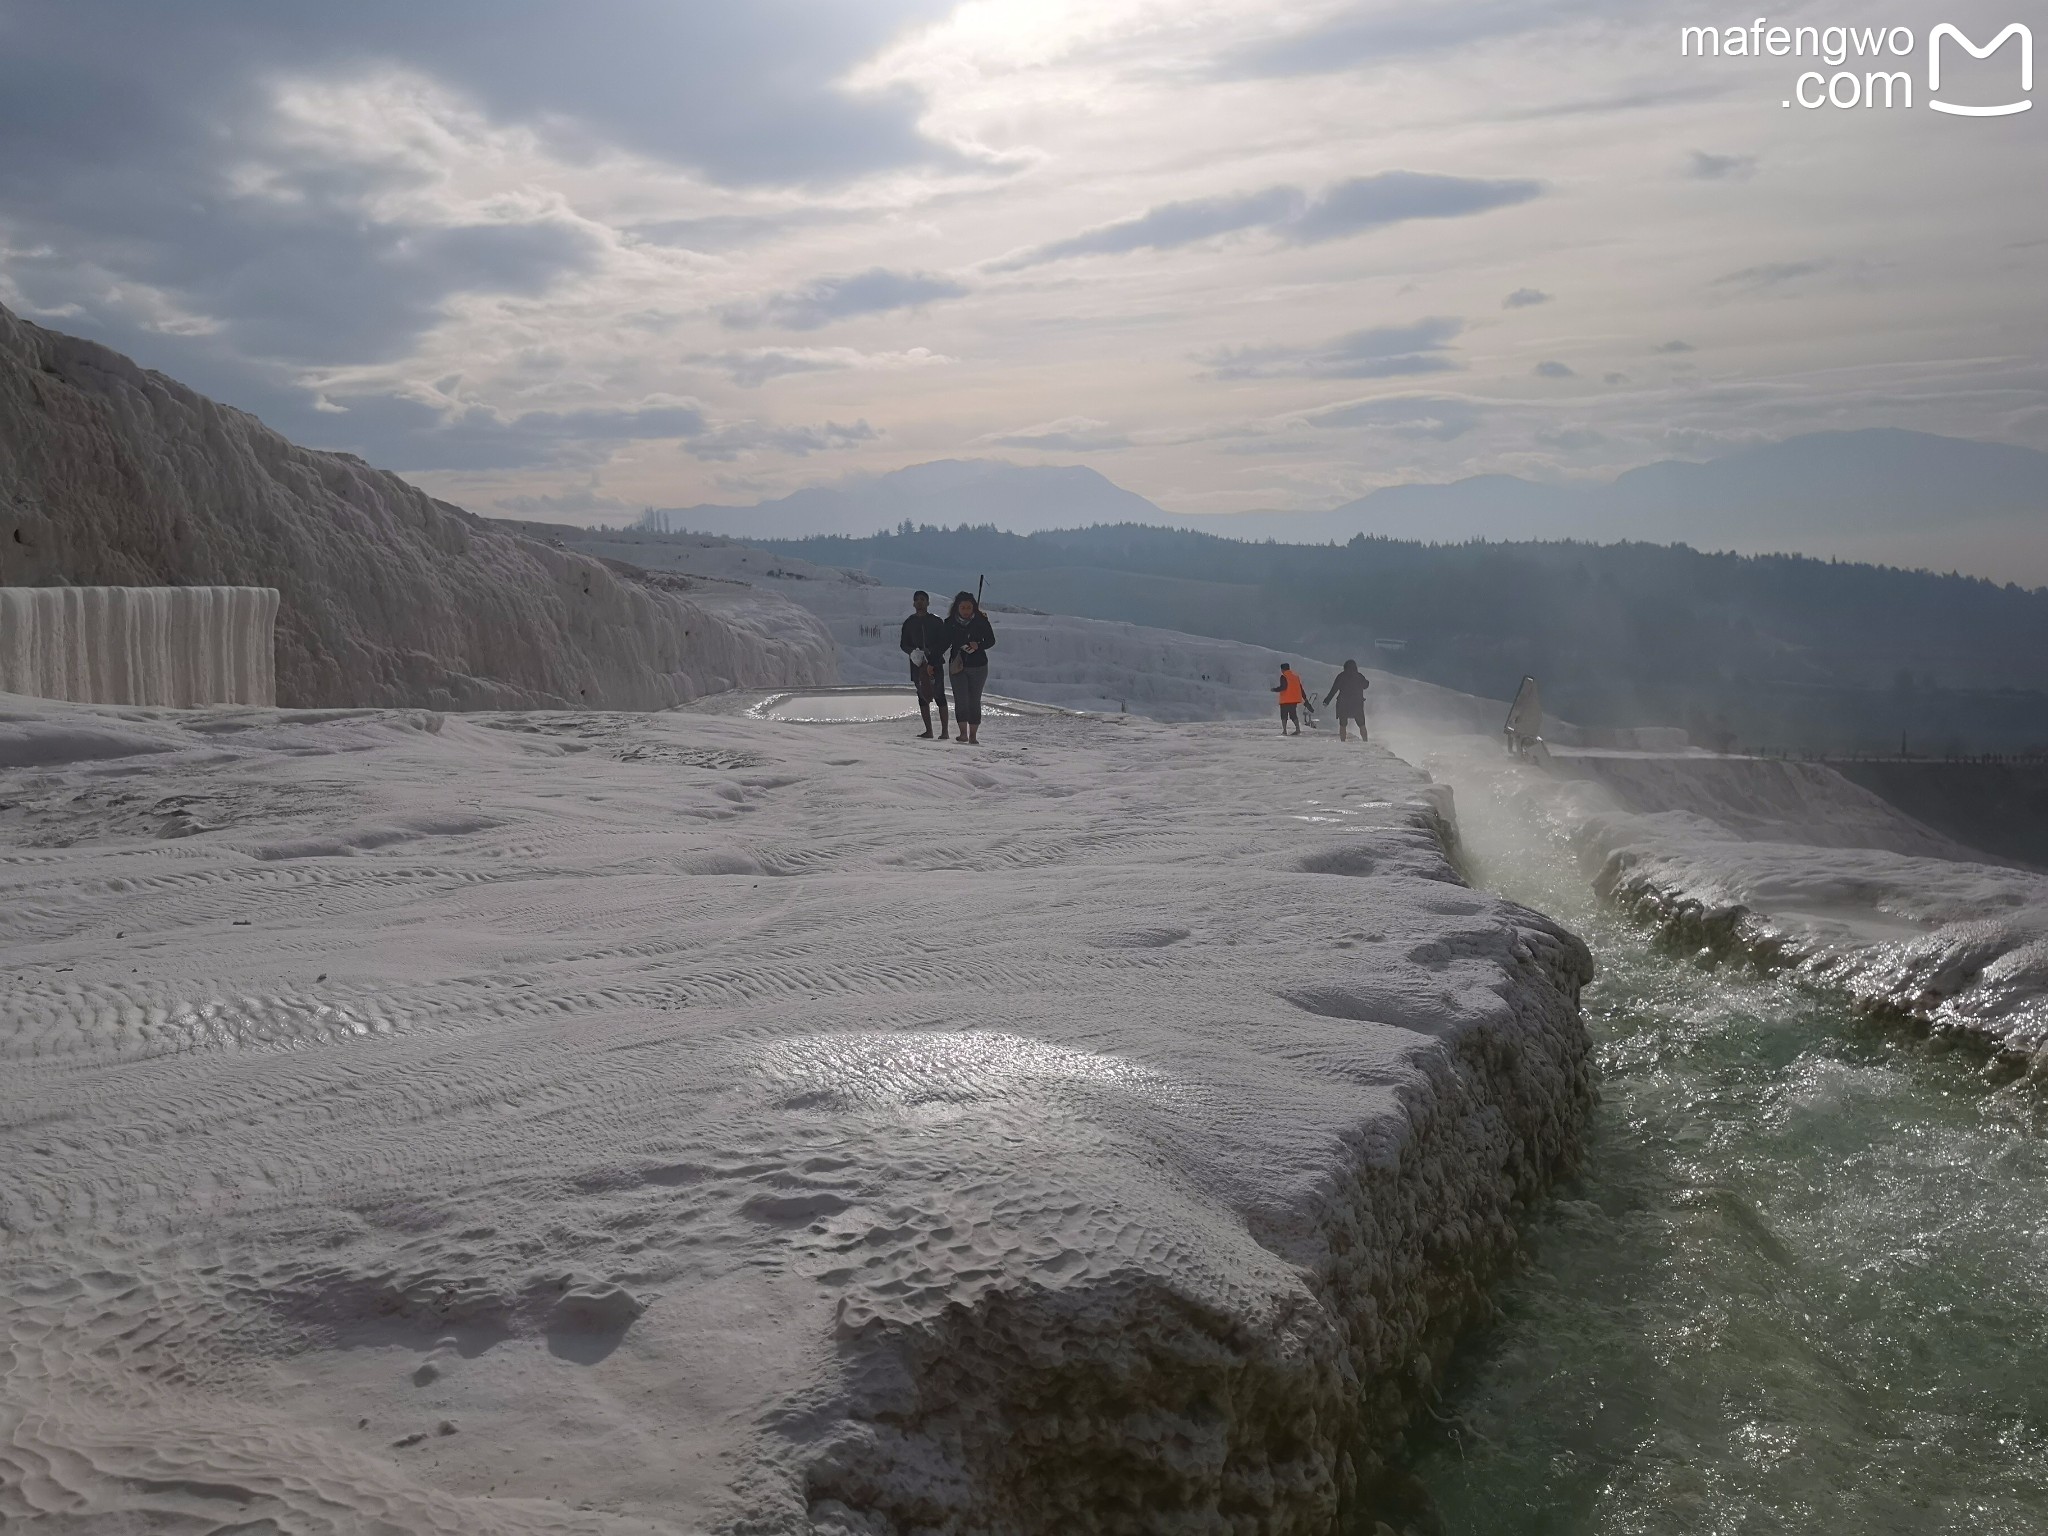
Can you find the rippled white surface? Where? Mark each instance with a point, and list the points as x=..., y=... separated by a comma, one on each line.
x=723, y=1123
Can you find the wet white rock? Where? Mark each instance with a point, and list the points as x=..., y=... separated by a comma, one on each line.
x=756, y=1126
x=1793, y=865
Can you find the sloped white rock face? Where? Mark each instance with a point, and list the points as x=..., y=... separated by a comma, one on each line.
x=114, y=476
x=1794, y=867
x=729, y=1125
x=182, y=646
x=1760, y=799
x=1959, y=947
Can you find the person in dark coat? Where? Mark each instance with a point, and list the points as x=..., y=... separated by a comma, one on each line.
x=1349, y=692
x=924, y=642
x=970, y=637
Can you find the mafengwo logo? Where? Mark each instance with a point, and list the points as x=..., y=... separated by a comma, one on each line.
x=1864, y=87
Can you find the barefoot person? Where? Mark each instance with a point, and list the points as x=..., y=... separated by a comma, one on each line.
x=1349, y=692
x=970, y=637
x=924, y=642
x=1292, y=697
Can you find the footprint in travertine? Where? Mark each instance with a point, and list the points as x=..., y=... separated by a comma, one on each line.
x=1344, y=859
x=586, y=1320
x=1136, y=938
x=1395, y=999
x=793, y=1210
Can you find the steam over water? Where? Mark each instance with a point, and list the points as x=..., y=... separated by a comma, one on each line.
x=1801, y=1285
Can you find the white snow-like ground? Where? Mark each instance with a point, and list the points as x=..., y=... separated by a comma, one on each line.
x=696, y=1122
x=1794, y=866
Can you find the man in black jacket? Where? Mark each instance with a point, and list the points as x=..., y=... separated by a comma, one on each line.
x=924, y=642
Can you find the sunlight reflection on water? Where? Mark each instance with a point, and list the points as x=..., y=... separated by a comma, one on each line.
x=847, y=707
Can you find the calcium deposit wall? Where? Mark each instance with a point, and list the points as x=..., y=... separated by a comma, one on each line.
x=114, y=476
x=181, y=646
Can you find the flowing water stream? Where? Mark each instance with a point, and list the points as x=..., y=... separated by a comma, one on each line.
x=1800, y=1286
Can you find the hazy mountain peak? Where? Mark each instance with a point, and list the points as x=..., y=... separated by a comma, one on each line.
x=1880, y=494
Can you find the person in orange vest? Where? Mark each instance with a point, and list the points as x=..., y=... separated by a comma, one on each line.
x=1292, y=694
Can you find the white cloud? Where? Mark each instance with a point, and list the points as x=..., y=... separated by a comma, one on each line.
x=500, y=267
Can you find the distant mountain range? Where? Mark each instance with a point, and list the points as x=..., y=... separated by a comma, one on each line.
x=1886, y=496
x=1017, y=498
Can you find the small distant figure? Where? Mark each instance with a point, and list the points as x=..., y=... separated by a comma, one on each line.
x=1349, y=692
x=924, y=642
x=1292, y=697
x=1525, y=722
x=971, y=637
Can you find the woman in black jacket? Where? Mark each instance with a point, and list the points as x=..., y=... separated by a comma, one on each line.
x=1349, y=692
x=969, y=637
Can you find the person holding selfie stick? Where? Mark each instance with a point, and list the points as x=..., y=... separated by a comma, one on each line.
x=970, y=637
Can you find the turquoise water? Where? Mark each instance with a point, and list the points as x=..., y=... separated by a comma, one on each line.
x=1801, y=1285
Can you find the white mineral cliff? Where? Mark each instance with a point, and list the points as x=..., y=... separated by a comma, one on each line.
x=114, y=476
x=686, y=1122
x=180, y=646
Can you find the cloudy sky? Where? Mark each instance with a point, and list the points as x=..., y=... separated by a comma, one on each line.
x=573, y=259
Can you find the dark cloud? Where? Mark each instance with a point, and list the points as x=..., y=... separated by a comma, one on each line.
x=1552, y=369
x=128, y=127
x=1614, y=378
x=1342, y=209
x=1618, y=101
x=733, y=231
x=410, y=434
x=1438, y=418
x=745, y=93
x=1384, y=33
x=1674, y=346
x=397, y=432
x=819, y=303
x=1705, y=167
x=1171, y=225
x=1523, y=298
x=1379, y=352
x=1770, y=274
x=1368, y=202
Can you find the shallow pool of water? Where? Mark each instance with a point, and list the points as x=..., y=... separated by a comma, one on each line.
x=848, y=706
x=1801, y=1285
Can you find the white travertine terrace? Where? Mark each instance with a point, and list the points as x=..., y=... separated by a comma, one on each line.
x=181, y=646
x=111, y=475
x=723, y=1124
